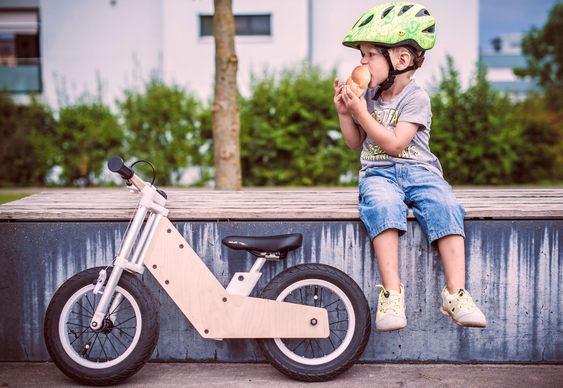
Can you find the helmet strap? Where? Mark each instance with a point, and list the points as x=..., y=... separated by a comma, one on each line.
x=392, y=73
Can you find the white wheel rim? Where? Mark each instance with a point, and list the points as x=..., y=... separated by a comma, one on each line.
x=67, y=346
x=351, y=323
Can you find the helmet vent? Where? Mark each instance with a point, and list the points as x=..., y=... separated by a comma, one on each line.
x=430, y=29
x=366, y=21
x=422, y=12
x=405, y=9
x=386, y=12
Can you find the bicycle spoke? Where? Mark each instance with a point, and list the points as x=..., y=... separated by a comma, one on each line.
x=116, y=307
x=112, y=345
x=320, y=347
x=76, y=324
x=124, y=332
x=331, y=303
x=312, y=350
x=85, y=350
x=90, y=303
x=80, y=335
x=84, y=308
x=334, y=323
x=92, y=347
x=337, y=336
x=127, y=320
x=82, y=315
x=103, y=348
x=298, y=345
x=332, y=343
x=336, y=310
x=118, y=340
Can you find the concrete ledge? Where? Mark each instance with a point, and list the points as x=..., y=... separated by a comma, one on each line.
x=514, y=271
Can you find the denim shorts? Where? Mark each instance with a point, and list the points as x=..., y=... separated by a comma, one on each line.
x=386, y=193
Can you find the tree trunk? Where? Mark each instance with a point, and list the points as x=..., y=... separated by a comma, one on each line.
x=225, y=109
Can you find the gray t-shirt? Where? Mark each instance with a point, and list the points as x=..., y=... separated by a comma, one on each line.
x=411, y=105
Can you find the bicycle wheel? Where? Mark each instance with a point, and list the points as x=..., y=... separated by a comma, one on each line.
x=319, y=359
x=126, y=341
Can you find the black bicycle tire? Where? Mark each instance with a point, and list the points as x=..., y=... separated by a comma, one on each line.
x=130, y=365
x=330, y=370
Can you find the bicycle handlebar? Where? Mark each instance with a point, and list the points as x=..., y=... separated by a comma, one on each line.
x=116, y=164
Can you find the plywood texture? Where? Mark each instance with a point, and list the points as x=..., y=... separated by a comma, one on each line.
x=214, y=312
x=312, y=204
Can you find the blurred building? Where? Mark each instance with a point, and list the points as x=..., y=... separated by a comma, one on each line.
x=501, y=60
x=65, y=48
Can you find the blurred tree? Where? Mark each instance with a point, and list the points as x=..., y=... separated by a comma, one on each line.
x=163, y=124
x=543, y=48
x=85, y=134
x=539, y=156
x=25, y=150
x=475, y=133
x=225, y=109
x=290, y=134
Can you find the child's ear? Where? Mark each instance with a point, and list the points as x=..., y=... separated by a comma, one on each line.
x=404, y=59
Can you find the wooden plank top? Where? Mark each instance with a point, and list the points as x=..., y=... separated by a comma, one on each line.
x=280, y=204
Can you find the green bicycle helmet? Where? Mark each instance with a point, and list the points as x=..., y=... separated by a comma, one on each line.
x=397, y=23
x=393, y=24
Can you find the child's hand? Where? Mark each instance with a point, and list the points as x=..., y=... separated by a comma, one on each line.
x=354, y=105
x=338, y=100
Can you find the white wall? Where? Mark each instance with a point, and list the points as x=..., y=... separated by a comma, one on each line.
x=189, y=58
x=124, y=42
x=89, y=39
x=457, y=34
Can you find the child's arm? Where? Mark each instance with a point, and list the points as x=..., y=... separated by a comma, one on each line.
x=392, y=142
x=353, y=136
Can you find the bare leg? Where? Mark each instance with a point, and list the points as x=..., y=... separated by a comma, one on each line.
x=386, y=247
x=452, y=252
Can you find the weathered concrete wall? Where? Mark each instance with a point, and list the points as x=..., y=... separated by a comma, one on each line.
x=514, y=271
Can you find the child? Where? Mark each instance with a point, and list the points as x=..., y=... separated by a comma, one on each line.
x=391, y=125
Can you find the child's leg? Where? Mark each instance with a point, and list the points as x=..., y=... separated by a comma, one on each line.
x=452, y=252
x=384, y=214
x=441, y=217
x=386, y=246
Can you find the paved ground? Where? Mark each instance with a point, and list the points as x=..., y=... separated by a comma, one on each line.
x=262, y=375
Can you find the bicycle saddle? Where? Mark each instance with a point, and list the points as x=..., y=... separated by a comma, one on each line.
x=281, y=243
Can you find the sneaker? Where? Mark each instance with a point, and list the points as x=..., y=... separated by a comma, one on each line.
x=461, y=308
x=390, y=310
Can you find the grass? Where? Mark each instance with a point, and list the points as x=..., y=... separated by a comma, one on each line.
x=9, y=197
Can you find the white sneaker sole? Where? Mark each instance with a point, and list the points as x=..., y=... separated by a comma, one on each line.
x=464, y=324
x=391, y=328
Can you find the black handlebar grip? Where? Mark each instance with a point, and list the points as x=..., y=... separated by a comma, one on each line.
x=116, y=164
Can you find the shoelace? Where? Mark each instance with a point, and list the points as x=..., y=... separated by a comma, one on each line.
x=464, y=300
x=390, y=302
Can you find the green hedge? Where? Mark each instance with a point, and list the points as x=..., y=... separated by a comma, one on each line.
x=289, y=135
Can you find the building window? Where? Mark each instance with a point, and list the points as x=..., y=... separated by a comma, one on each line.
x=20, y=70
x=245, y=25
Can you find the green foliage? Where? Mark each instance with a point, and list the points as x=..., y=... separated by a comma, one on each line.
x=164, y=124
x=474, y=132
x=543, y=48
x=24, y=151
x=290, y=134
x=540, y=157
x=85, y=135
